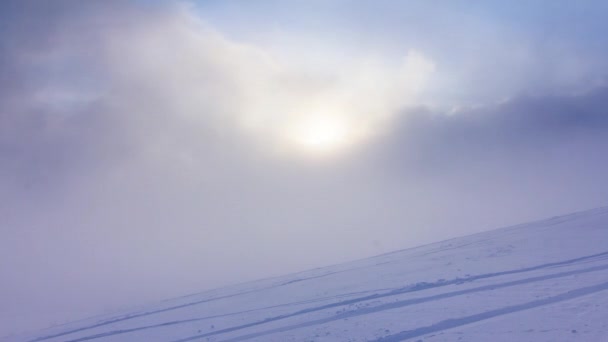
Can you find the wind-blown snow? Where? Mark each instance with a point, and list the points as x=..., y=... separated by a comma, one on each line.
x=543, y=281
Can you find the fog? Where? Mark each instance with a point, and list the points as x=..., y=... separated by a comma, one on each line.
x=151, y=150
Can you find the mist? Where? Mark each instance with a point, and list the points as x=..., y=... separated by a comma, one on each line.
x=151, y=150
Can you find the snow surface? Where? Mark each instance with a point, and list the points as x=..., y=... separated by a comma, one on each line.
x=543, y=281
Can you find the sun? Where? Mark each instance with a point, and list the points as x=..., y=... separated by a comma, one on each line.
x=320, y=133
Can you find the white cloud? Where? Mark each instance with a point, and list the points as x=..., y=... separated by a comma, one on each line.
x=182, y=65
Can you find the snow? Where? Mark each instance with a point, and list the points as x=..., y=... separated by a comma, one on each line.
x=543, y=281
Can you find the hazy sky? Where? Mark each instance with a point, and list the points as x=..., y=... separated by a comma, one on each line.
x=152, y=149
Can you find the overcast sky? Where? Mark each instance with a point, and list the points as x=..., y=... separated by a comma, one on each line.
x=152, y=149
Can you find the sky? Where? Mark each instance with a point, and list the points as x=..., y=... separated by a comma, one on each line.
x=153, y=149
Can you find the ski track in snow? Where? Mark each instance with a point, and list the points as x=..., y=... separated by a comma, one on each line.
x=416, y=287
x=473, y=253
x=456, y=322
x=399, y=304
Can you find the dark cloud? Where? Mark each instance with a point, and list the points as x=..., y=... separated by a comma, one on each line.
x=527, y=157
x=521, y=125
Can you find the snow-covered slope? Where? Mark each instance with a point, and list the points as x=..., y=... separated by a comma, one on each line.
x=544, y=281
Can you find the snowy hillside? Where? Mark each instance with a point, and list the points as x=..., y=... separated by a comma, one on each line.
x=543, y=281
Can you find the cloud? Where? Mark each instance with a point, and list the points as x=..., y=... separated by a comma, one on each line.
x=524, y=123
x=144, y=147
x=137, y=146
x=197, y=74
x=482, y=53
x=526, y=156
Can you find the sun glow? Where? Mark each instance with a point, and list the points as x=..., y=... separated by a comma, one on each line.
x=320, y=133
x=324, y=113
